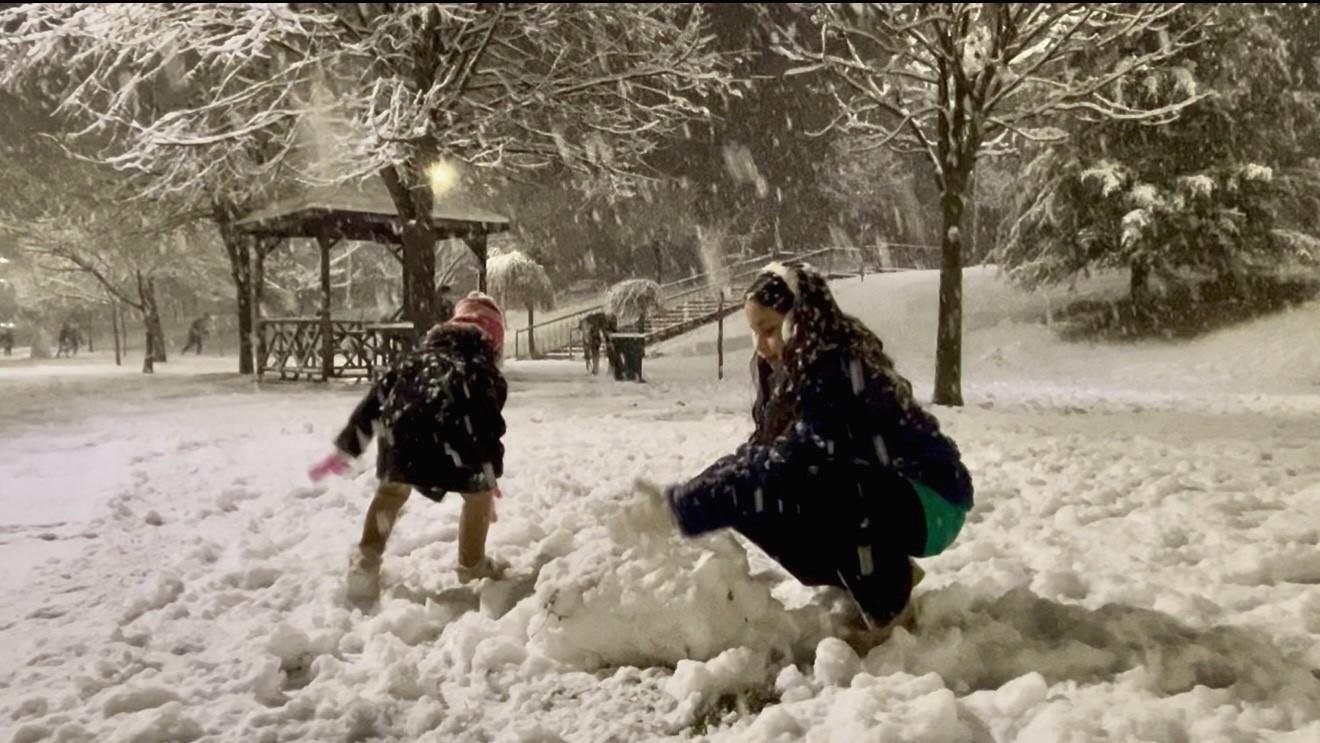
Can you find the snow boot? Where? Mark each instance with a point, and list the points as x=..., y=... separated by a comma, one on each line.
x=363, y=584
x=870, y=635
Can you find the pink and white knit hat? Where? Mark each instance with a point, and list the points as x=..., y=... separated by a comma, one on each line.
x=480, y=310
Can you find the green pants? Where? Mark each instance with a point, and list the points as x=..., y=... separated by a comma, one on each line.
x=943, y=520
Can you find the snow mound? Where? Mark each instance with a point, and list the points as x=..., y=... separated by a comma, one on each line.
x=953, y=680
x=638, y=594
x=894, y=708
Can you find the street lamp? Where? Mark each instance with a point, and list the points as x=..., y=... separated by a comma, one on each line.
x=443, y=176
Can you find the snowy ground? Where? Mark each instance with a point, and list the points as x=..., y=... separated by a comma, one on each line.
x=1142, y=562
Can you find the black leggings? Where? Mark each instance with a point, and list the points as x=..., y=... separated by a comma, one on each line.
x=855, y=530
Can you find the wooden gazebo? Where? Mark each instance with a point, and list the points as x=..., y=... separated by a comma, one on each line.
x=323, y=347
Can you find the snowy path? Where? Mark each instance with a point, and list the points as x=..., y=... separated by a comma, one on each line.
x=1132, y=570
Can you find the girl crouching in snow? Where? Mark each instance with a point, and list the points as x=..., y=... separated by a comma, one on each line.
x=845, y=478
x=438, y=417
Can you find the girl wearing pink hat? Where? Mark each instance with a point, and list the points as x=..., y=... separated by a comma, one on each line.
x=437, y=417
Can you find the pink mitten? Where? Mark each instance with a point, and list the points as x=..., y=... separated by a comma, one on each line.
x=336, y=463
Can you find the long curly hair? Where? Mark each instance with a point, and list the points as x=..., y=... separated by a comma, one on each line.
x=814, y=325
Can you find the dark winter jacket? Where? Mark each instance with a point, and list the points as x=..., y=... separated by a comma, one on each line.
x=876, y=424
x=437, y=415
x=837, y=409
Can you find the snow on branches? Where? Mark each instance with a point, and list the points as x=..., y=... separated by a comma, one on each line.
x=204, y=93
x=958, y=81
x=629, y=300
x=514, y=279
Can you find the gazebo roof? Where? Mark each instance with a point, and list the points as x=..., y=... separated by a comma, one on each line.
x=365, y=213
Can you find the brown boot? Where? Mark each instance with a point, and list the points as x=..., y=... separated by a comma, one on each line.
x=867, y=636
x=862, y=639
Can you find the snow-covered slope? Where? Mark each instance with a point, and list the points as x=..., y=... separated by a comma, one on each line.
x=1008, y=341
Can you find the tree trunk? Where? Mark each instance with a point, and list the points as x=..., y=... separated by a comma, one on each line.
x=257, y=336
x=238, y=247
x=531, y=331
x=158, y=336
x=123, y=327
x=149, y=355
x=1137, y=283
x=114, y=329
x=240, y=264
x=149, y=340
x=948, y=344
x=419, y=276
x=327, y=329
x=478, y=245
x=151, y=320
x=158, y=353
x=411, y=194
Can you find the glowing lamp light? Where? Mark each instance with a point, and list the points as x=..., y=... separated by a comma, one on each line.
x=443, y=176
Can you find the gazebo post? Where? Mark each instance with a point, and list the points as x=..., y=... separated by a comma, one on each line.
x=327, y=330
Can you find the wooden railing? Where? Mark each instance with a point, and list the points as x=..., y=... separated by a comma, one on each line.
x=562, y=332
x=294, y=347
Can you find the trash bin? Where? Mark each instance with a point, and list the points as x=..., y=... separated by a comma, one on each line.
x=628, y=351
x=613, y=358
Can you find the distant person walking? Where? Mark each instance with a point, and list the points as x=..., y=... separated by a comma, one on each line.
x=596, y=328
x=197, y=333
x=70, y=340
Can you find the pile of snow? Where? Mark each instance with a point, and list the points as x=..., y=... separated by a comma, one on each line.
x=590, y=603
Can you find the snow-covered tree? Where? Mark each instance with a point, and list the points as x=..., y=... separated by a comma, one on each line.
x=958, y=81
x=632, y=300
x=84, y=237
x=126, y=254
x=121, y=78
x=515, y=280
x=410, y=85
x=1230, y=189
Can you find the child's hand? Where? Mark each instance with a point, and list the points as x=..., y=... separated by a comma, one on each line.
x=336, y=463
